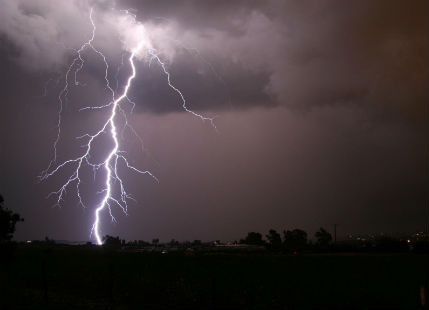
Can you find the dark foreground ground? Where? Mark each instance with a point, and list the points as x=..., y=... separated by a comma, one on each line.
x=95, y=278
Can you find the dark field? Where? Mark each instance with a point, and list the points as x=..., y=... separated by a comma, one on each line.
x=73, y=277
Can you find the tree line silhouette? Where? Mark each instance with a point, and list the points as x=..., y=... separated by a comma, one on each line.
x=290, y=241
x=8, y=220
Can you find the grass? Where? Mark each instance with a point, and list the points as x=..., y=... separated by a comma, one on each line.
x=73, y=277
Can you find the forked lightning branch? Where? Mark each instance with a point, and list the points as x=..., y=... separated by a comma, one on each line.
x=110, y=127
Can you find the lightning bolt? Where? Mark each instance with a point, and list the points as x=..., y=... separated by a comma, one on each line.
x=110, y=127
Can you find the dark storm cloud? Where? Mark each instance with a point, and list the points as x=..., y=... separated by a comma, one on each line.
x=237, y=89
x=314, y=53
x=252, y=53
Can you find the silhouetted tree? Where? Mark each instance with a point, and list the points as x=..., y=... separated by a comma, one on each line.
x=8, y=220
x=174, y=242
x=142, y=243
x=274, y=240
x=49, y=241
x=295, y=240
x=196, y=242
x=155, y=242
x=111, y=241
x=253, y=238
x=324, y=238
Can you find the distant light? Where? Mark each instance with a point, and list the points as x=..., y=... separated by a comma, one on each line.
x=408, y=240
x=28, y=241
